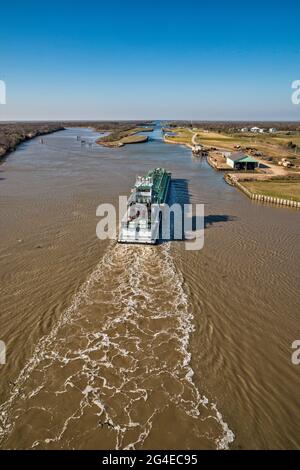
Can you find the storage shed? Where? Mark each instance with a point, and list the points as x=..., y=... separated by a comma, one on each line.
x=240, y=161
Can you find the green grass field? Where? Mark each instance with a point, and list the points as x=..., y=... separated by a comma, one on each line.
x=183, y=136
x=282, y=189
x=127, y=136
x=270, y=145
x=134, y=139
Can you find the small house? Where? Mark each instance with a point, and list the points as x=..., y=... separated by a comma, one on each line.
x=255, y=129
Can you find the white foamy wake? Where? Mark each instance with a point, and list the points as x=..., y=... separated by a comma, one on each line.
x=116, y=366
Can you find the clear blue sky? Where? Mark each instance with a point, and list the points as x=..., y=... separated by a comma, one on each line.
x=149, y=59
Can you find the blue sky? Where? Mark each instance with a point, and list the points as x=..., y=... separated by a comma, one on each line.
x=149, y=60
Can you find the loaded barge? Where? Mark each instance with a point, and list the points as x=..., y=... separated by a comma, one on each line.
x=141, y=221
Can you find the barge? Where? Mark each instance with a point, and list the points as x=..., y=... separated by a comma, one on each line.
x=142, y=219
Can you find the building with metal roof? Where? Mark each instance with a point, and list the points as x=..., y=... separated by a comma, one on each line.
x=241, y=161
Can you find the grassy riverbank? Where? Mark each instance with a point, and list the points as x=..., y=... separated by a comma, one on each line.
x=180, y=135
x=125, y=135
x=273, y=180
x=274, y=147
x=278, y=188
x=284, y=143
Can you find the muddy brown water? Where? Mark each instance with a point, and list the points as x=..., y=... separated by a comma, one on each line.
x=119, y=346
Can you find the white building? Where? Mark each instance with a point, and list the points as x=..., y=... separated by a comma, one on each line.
x=272, y=130
x=255, y=129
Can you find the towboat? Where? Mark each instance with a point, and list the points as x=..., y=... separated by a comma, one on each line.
x=141, y=221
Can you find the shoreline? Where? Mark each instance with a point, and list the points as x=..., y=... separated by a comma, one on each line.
x=12, y=134
x=120, y=143
x=260, y=197
x=235, y=179
x=4, y=152
x=167, y=141
x=125, y=137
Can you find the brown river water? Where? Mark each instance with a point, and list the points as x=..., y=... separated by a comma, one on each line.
x=121, y=346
